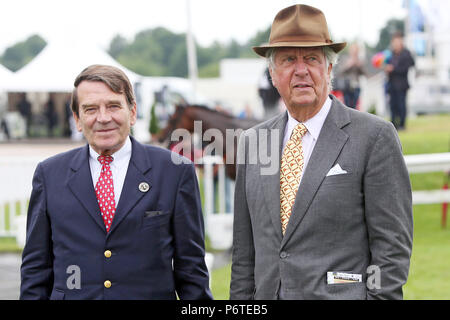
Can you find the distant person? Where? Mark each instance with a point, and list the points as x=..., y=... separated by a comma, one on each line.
x=67, y=130
x=247, y=112
x=4, y=127
x=24, y=108
x=114, y=219
x=269, y=95
x=353, y=69
x=162, y=105
x=51, y=115
x=397, y=85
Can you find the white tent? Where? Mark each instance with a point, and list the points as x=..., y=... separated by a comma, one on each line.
x=5, y=76
x=55, y=68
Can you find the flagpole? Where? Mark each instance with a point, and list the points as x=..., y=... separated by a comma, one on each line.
x=191, y=52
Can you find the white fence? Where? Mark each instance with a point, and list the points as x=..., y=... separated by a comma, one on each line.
x=423, y=163
x=16, y=175
x=218, y=203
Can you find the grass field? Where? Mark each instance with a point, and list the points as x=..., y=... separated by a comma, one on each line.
x=429, y=276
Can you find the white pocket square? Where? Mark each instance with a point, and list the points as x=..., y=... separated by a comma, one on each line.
x=336, y=170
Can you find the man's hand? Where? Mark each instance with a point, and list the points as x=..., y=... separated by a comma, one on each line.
x=388, y=68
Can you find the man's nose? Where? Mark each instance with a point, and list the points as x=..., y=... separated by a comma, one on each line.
x=301, y=68
x=103, y=115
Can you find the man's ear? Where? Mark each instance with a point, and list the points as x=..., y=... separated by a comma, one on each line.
x=133, y=114
x=330, y=70
x=77, y=122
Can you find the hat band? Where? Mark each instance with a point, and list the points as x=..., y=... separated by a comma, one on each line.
x=300, y=39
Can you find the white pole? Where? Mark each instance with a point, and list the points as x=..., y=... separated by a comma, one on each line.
x=208, y=185
x=191, y=51
x=360, y=37
x=222, y=195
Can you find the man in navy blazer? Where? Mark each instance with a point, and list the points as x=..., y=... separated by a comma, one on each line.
x=154, y=248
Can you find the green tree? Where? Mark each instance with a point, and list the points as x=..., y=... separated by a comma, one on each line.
x=160, y=52
x=117, y=45
x=208, y=59
x=18, y=55
x=260, y=37
x=177, y=63
x=234, y=49
x=154, y=125
x=153, y=52
x=392, y=26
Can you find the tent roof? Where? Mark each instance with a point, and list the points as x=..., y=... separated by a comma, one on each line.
x=55, y=68
x=5, y=75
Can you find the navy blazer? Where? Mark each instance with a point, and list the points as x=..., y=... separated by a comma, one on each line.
x=156, y=240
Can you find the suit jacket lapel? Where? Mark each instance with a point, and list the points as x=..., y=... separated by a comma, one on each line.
x=271, y=183
x=82, y=187
x=327, y=149
x=138, y=166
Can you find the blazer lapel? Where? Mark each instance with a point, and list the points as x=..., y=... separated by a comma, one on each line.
x=82, y=187
x=131, y=194
x=271, y=182
x=327, y=149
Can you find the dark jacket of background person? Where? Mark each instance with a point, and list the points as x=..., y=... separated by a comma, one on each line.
x=398, y=78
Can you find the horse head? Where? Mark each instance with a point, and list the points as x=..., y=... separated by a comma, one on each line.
x=175, y=122
x=185, y=116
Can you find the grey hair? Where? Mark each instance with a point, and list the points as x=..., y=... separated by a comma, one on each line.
x=270, y=57
x=331, y=57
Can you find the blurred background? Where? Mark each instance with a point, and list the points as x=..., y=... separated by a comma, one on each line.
x=193, y=52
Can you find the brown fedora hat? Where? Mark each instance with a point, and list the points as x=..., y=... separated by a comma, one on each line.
x=299, y=26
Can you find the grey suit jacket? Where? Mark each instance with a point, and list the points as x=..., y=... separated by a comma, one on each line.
x=345, y=223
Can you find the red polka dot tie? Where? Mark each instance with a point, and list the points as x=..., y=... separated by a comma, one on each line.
x=104, y=189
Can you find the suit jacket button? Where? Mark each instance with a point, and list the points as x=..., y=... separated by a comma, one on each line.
x=108, y=254
x=107, y=284
x=283, y=255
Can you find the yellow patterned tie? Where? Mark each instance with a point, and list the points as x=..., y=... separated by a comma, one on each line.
x=290, y=172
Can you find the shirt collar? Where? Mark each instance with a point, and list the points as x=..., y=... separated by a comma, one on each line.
x=120, y=155
x=314, y=125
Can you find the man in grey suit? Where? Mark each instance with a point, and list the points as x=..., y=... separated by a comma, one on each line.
x=340, y=226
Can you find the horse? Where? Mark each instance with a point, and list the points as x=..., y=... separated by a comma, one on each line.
x=185, y=116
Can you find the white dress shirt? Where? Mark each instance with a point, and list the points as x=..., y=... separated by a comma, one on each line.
x=314, y=126
x=119, y=167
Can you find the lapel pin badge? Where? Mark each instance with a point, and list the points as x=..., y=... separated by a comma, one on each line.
x=144, y=187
